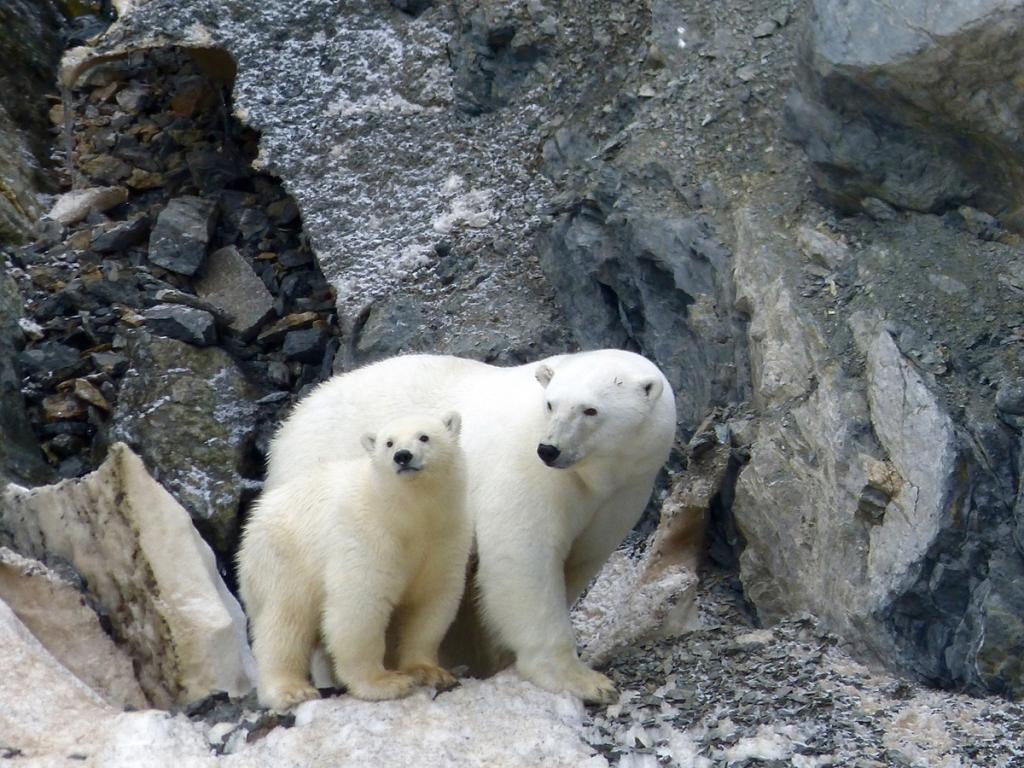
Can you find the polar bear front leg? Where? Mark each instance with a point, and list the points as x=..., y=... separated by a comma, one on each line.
x=525, y=606
x=423, y=623
x=283, y=636
x=355, y=621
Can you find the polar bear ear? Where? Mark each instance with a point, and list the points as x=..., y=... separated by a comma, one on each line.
x=452, y=422
x=544, y=374
x=651, y=388
x=369, y=442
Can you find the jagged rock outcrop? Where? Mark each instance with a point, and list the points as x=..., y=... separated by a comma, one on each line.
x=30, y=48
x=150, y=571
x=914, y=103
x=880, y=491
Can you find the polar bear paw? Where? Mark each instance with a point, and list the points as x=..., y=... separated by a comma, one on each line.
x=573, y=677
x=284, y=694
x=384, y=685
x=432, y=675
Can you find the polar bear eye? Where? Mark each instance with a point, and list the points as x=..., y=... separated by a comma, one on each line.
x=424, y=438
x=590, y=411
x=549, y=405
x=390, y=444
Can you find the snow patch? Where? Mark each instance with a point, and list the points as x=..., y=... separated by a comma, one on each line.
x=501, y=721
x=619, y=610
x=766, y=744
x=472, y=209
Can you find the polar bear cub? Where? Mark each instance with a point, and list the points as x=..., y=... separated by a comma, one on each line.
x=349, y=547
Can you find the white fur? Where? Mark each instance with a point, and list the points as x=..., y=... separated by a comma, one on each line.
x=541, y=532
x=347, y=547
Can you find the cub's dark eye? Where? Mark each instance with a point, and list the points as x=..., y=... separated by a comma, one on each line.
x=424, y=438
x=549, y=406
x=390, y=443
x=590, y=411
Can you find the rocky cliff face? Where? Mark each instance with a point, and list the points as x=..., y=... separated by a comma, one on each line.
x=507, y=180
x=30, y=46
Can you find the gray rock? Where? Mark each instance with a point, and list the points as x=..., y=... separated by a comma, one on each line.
x=229, y=282
x=1010, y=398
x=386, y=94
x=182, y=233
x=657, y=281
x=492, y=54
x=187, y=324
x=912, y=106
x=50, y=359
x=189, y=412
x=414, y=7
x=867, y=499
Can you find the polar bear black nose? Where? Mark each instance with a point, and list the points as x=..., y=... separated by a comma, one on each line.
x=403, y=457
x=547, y=453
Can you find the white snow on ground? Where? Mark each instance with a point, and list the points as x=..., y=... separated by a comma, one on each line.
x=502, y=721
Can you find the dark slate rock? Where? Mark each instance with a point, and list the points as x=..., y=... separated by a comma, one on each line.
x=295, y=258
x=121, y=236
x=188, y=411
x=187, y=324
x=182, y=233
x=50, y=357
x=305, y=346
x=492, y=56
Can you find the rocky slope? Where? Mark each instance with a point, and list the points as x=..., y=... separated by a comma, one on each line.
x=805, y=212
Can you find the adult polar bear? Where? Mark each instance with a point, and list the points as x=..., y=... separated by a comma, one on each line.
x=561, y=456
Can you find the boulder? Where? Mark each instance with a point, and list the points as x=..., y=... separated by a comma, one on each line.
x=189, y=412
x=148, y=569
x=57, y=611
x=868, y=499
x=390, y=135
x=914, y=105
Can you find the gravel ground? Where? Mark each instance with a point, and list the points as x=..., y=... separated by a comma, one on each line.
x=732, y=694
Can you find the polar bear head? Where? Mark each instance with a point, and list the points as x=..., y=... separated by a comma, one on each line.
x=412, y=444
x=597, y=404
